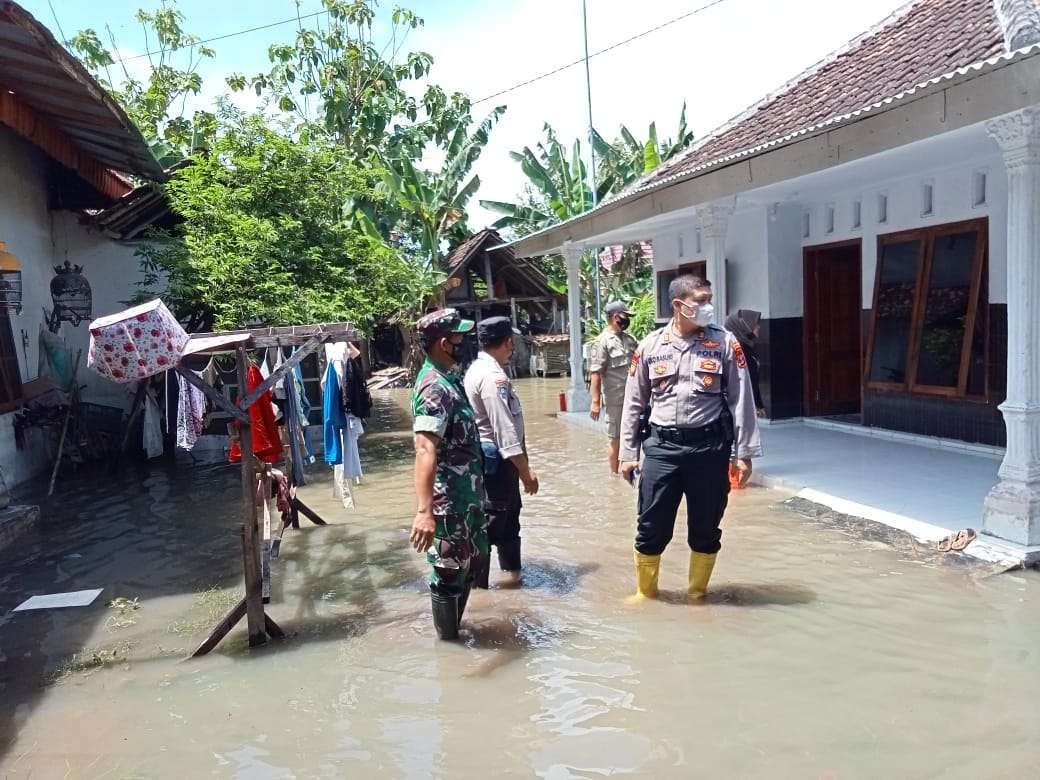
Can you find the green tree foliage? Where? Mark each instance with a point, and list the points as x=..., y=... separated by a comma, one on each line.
x=435, y=201
x=558, y=189
x=156, y=105
x=336, y=76
x=265, y=239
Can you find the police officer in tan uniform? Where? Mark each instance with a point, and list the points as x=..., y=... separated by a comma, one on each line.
x=611, y=353
x=500, y=420
x=694, y=376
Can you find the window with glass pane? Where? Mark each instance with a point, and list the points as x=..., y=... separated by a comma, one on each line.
x=946, y=306
x=977, y=358
x=894, y=310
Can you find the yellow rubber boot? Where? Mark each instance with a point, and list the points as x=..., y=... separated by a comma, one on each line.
x=648, y=569
x=701, y=565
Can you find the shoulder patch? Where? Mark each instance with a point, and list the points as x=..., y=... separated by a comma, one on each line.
x=738, y=353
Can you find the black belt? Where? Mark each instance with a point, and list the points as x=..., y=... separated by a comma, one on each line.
x=717, y=431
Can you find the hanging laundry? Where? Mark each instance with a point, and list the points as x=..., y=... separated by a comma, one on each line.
x=191, y=412
x=356, y=398
x=334, y=417
x=351, y=454
x=152, y=429
x=267, y=445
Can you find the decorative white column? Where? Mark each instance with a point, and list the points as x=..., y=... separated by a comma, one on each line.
x=1013, y=506
x=714, y=219
x=578, y=398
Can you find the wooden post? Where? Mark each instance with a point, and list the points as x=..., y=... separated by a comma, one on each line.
x=555, y=314
x=250, y=548
x=487, y=277
x=512, y=310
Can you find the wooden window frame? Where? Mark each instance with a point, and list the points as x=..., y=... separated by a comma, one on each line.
x=927, y=237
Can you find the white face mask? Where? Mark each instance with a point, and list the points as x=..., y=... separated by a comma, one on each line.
x=705, y=312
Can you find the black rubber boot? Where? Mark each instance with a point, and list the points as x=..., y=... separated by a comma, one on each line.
x=481, y=570
x=509, y=556
x=463, y=599
x=445, y=614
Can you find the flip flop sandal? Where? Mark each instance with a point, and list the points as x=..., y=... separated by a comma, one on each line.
x=964, y=538
x=946, y=543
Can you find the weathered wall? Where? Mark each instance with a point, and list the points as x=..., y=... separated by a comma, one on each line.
x=42, y=239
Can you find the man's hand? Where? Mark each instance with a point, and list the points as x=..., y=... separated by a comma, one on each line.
x=744, y=467
x=422, y=531
x=594, y=410
x=530, y=480
x=760, y=413
x=627, y=467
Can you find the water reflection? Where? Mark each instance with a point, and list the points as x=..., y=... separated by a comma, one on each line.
x=819, y=650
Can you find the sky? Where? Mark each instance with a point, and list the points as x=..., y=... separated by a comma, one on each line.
x=718, y=61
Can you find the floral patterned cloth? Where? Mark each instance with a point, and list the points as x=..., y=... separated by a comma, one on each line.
x=137, y=343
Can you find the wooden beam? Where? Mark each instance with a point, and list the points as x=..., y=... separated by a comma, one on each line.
x=250, y=548
x=487, y=278
x=290, y=336
x=222, y=628
x=217, y=398
x=307, y=512
x=276, y=376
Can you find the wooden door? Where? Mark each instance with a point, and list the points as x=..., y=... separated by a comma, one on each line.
x=833, y=316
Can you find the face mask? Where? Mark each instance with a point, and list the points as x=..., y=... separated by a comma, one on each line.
x=451, y=348
x=705, y=311
x=623, y=322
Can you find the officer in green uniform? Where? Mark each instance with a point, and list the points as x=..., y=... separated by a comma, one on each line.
x=449, y=525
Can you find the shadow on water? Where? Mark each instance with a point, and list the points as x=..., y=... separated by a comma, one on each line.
x=756, y=594
x=158, y=530
x=554, y=576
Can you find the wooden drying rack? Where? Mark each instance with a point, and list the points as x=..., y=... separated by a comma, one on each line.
x=307, y=339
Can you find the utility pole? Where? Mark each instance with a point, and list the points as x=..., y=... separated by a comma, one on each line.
x=592, y=148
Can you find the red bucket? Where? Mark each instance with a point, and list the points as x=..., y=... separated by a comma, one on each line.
x=563, y=402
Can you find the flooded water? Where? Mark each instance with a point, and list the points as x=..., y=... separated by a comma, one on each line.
x=819, y=653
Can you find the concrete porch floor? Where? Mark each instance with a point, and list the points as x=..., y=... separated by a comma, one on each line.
x=925, y=487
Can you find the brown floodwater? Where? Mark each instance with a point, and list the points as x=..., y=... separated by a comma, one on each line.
x=820, y=653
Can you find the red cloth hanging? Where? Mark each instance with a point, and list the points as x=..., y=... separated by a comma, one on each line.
x=267, y=444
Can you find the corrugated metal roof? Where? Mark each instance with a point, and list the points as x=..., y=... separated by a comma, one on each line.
x=43, y=75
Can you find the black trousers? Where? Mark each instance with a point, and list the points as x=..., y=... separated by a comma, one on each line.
x=701, y=473
x=504, y=503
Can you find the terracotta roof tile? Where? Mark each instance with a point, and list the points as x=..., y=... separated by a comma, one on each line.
x=922, y=40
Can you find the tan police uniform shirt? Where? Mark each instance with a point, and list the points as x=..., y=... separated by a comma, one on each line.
x=500, y=419
x=688, y=380
x=611, y=354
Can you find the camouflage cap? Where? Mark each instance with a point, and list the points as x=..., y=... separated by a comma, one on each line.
x=443, y=322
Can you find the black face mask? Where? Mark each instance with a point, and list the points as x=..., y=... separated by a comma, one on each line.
x=623, y=322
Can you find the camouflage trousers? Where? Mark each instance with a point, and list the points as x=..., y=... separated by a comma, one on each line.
x=458, y=540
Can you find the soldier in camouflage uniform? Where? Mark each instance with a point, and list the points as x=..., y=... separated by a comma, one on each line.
x=450, y=526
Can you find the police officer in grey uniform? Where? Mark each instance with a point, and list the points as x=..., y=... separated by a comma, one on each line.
x=611, y=353
x=694, y=376
x=500, y=420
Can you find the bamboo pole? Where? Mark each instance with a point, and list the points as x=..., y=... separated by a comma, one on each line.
x=250, y=548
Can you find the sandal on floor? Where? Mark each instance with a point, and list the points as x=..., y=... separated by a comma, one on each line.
x=946, y=543
x=964, y=538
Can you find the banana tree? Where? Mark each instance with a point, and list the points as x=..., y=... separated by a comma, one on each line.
x=628, y=159
x=434, y=202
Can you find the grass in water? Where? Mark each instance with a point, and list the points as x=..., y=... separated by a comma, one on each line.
x=124, y=617
x=209, y=607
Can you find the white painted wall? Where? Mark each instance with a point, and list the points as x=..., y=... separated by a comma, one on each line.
x=747, y=262
x=952, y=189
x=746, y=251
x=41, y=240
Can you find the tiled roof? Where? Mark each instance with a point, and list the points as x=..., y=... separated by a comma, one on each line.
x=923, y=39
x=461, y=254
